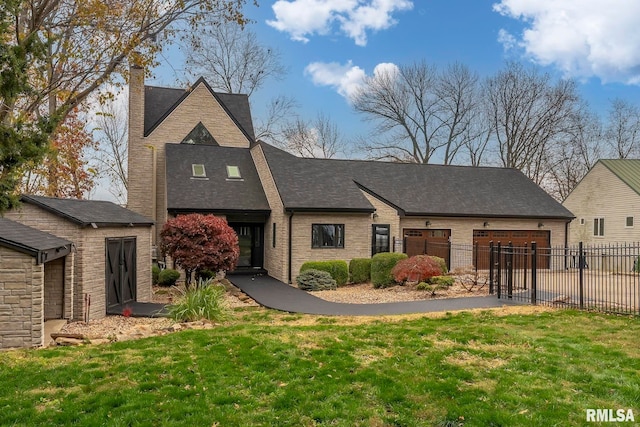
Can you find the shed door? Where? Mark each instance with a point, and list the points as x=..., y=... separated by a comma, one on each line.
x=120, y=270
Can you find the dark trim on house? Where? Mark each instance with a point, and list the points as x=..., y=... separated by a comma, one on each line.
x=331, y=210
x=453, y=215
x=41, y=255
x=185, y=95
x=229, y=212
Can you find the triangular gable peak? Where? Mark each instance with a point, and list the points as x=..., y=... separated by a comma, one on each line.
x=200, y=104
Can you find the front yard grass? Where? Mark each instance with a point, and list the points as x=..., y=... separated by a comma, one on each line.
x=268, y=369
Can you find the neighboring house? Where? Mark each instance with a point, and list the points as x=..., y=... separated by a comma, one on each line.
x=110, y=261
x=606, y=203
x=194, y=151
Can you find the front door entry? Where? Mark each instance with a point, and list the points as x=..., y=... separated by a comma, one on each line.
x=250, y=240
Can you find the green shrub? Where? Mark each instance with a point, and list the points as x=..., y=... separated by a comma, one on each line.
x=360, y=270
x=205, y=275
x=155, y=273
x=203, y=302
x=337, y=269
x=431, y=288
x=441, y=262
x=381, y=266
x=315, y=280
x=168, y=277
x=445, y=281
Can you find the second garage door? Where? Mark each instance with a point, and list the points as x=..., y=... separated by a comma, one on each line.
x=518, y=238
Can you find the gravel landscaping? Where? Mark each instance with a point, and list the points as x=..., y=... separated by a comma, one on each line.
x=120, y=328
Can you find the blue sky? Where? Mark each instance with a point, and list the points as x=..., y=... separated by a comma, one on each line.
x=329, y=44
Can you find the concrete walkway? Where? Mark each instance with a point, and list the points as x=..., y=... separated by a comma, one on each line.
x=272, y=293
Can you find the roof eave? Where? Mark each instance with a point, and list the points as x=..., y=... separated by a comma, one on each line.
x=330, y=210
x=476, y=215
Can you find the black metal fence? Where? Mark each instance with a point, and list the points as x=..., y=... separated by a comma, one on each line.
x=600, y=277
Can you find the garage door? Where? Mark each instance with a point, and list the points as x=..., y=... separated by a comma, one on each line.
x=428, y=242
x=519, y=239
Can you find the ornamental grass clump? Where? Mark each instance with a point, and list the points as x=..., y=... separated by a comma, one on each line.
x=205, y=302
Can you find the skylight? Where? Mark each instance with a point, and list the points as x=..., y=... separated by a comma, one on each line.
x=198, y=170
x=233, y=172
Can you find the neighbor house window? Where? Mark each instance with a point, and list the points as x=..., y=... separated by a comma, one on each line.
x=629, y=222
x=327, y=235
x=198, y=171
x=598, y=226
x=233, y=172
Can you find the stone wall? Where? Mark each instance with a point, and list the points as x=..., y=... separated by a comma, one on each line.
x=21, y=300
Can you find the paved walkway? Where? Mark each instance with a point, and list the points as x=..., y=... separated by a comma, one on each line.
x=272, y=293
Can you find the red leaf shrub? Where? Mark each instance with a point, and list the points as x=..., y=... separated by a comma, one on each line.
x=200, y=242
x=416, y=269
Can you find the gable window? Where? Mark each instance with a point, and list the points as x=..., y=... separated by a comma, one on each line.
x=327, y=235
x=198, y=170
x=233, y=172
x=380, y=238
x=629, y=222
x=199, y=135
x=598, y=227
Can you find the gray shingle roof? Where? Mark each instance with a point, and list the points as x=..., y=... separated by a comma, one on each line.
x=159, y=102
x=217, y=192
x=88, y=212
x=43, y=246
x=436, y=190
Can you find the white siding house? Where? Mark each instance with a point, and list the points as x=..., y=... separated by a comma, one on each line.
x=606, y=204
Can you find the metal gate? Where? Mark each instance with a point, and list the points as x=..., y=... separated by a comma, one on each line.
x=120, y=270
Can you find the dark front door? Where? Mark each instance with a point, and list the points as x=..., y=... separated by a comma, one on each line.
x=380, y=238
x=120, y=270
x=251, y=242
x=428, y=242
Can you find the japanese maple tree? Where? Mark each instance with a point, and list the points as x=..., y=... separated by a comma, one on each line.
x=416, y=269
x=199, y=242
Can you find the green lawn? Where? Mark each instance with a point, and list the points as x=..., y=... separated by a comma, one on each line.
x=269, y=369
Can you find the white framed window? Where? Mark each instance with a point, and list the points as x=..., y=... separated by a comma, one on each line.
x=598, y=227
x=198, y=170
x=629, y=222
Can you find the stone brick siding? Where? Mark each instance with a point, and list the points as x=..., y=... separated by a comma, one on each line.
x=275, y=258
x=199, y=106
x=21, y=300
x=357, y=238
x=88, y=276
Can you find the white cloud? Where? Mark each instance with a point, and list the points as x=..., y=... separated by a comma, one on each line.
x=344, y=78
x=583, y=38
x=304, y=18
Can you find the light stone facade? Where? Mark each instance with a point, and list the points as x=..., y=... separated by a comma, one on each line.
x=88, y=276
x=147, y=164
x=21, y=300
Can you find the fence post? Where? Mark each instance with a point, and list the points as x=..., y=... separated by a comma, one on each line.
x=581, y=257
x=491, y=261
x=510, y=271
x=534, y=273
x=525, y=261
x=499, y=270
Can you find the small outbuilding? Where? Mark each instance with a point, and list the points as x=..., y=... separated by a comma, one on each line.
x=112, y=253
x=36, y=275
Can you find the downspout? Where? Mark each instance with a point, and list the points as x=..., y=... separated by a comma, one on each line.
x=290, y=255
